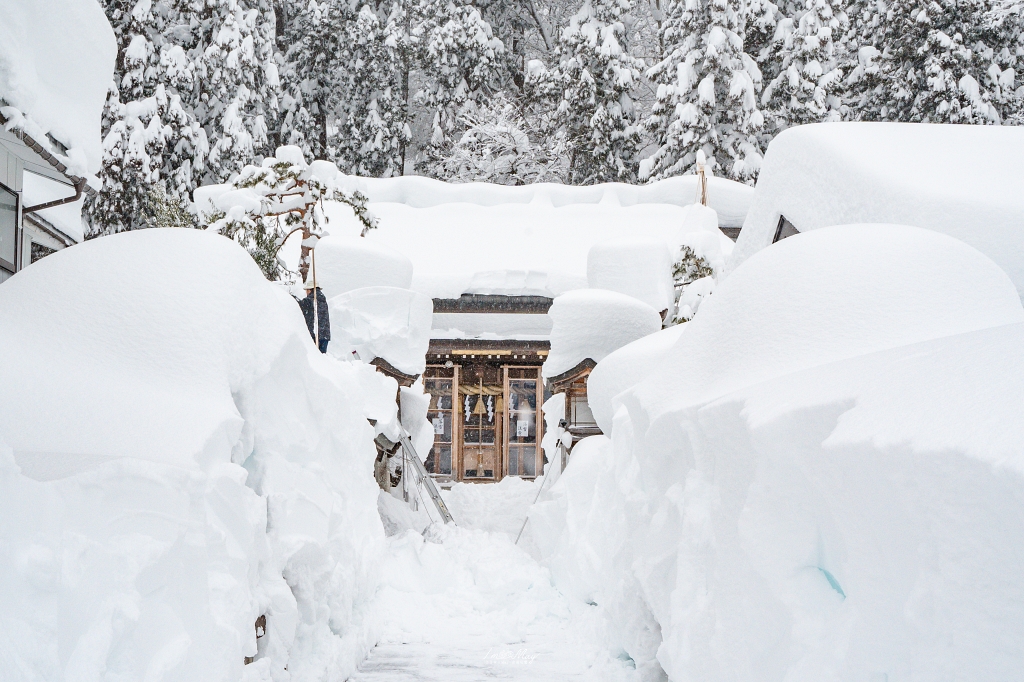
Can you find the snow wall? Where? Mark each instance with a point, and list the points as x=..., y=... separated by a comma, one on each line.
x=56, y=64
x=961, y=180
x=176, y=459
x=818, y=478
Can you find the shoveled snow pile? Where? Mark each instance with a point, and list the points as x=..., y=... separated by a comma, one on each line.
x=591, y=323
x=382, y=322
x=820, y=478
x=641, y=269
x=176, y=460
x=56, y=62
x=960, y=180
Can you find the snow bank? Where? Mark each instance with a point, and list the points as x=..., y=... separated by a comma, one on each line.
x=823, y=479
x=626, y=367
x=56, y=64
x=959, y=180
x=176, y=459
x=591, y=323
x=639, y=269
x=347, y=263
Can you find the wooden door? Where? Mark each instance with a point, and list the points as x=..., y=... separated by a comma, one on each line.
x=524, y=422
x=481, y=406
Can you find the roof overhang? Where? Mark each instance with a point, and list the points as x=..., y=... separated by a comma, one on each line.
x=490, y=303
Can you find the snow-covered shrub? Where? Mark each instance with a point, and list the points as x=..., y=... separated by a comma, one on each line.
x=176, y=460
x=818, y=476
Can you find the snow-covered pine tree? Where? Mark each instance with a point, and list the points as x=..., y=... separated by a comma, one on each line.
x=153, y=149
x=594, y=82
x=237, y=81
x=707, y=93
x=926, y=61
x=314, y=74
x=1005, y=26
x=373, y=125
x=457, y=55
x=808, y=88
x=281, y=195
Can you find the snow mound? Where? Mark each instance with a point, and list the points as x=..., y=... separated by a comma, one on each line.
x=347, y=263
x=822, y=479
x=56, y=63
x=382, y=322
x=176, y=460
x=641, y=269
x=831, y=294
x=960, y=180
x=591, y=323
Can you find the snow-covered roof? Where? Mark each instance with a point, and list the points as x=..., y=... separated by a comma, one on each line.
x=531, y=240
x=56, y=64
x=964, y=181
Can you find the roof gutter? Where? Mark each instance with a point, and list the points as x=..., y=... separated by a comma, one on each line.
x=81, y=184
x=80, y=187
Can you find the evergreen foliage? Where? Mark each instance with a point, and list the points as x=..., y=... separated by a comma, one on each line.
x=594, y=79
x=707, y=93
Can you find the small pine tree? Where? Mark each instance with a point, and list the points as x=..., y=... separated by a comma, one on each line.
x=283, y=187
x=707, y=94
x=594, y=81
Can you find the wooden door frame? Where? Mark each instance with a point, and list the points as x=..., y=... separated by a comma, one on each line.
x=539, y=416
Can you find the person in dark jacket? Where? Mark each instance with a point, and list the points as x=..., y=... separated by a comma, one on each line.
x=323, y=317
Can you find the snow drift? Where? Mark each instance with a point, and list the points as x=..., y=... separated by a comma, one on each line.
x=961, y=180
x=176, y=459
x=56, y=62
x=823, y=478
x=641, y=269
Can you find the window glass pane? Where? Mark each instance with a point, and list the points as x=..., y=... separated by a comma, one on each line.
x=8, y=225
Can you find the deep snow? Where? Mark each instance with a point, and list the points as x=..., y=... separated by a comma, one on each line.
x=806, y=484
x=176, y=459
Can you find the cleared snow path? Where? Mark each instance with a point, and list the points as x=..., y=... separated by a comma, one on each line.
x=466, y=604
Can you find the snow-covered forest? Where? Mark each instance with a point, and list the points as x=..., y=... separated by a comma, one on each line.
x=523, y=91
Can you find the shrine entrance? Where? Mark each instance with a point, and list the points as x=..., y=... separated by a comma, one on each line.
x=487, y=421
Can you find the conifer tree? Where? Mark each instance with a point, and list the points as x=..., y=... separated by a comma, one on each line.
x=373, y=122
x=808, y=87
x=707, y=93
x=457, y=53
x=927, y=61
x=237, y=80
x=593, y=83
